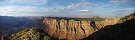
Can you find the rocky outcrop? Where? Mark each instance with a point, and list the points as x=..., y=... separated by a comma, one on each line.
x=72, y=29
x=30, y=34
x=123, y=30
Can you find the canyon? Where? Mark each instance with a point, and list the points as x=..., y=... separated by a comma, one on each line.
x=73, y=29
x=63, y=28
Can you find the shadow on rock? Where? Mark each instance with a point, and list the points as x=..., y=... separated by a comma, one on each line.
x=121, y=31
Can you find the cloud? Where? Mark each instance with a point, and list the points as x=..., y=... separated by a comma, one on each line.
x=118, y=1
x=122, y=1
x=26, y=1
x=20, y=11
x=123, y=12
x=111, y=10
x=72, y=9
x=76, y=9
x=85, y=11
x=69, y=10
x=83, y=5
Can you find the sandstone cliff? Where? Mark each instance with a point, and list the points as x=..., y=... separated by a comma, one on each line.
x=72, y=29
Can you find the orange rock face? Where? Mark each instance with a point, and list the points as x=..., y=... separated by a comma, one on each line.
x=71, y=29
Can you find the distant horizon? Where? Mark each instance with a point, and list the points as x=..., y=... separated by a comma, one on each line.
x=68, y=16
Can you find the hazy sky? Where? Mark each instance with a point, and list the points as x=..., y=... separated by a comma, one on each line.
x=84, y=8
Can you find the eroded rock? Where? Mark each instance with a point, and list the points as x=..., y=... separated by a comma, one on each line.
x=72, y=29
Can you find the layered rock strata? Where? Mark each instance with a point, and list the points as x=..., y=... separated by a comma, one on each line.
x=73, y=30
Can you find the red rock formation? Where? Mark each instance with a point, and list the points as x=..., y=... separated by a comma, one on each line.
x=71, y=29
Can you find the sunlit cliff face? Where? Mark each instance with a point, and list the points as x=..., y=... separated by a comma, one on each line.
x=72, y=29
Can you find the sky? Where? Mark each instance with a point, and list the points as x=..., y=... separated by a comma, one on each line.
x=67, y=8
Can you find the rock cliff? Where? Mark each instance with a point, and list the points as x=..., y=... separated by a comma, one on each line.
x=73, y=29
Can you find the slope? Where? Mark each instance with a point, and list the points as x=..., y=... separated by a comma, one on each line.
x=124, y=30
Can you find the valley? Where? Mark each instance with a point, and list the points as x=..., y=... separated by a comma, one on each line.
x=64, y=28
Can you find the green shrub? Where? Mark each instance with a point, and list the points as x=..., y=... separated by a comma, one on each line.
x=31, y=34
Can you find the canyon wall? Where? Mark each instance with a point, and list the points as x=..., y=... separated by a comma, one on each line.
x=72, y=29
